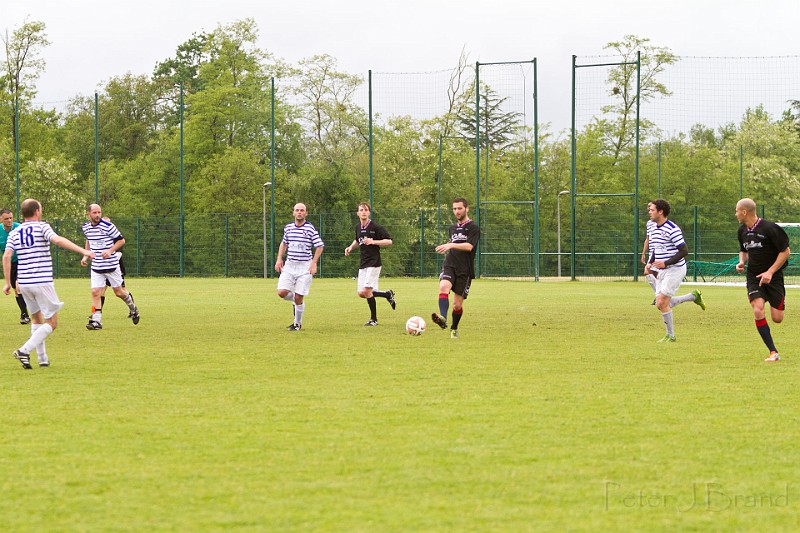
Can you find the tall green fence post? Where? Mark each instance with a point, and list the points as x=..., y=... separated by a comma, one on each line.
x=272, y=180
x=741, y=172
x=478, y=162
x=16, y=147
x=572, y=177
x=96, y=148
x=371, y=200
x=535, y=172
x=696, y=237
x=658, y=171
x=227, y=241
x=421, y=242
x=181, y=192
x=636, y=188
x=138, y=245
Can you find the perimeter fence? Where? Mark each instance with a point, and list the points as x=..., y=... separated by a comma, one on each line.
x=235, y=246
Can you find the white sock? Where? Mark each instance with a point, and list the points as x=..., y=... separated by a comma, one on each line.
x=41, y=352
x=298, y=313
x=289, y=297
x=129, y=302
x=37, y=338
x=677, y=300
x=97, y=316
x=668, y=323
x=651, y=279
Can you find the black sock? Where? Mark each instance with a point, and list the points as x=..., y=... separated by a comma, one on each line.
x=766, y=336
x=456, y=318
x=381, y=294
x=373, y=308
x=102, y=302
x=23, y=309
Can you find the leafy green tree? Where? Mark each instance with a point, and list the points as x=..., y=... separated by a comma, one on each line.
x=622, y=88
x=23, y=65
x=52, y=182
x=499, y=128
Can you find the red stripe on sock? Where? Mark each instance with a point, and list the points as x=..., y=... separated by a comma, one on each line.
x=443, y=296
x=762, y=322
x=458, y=311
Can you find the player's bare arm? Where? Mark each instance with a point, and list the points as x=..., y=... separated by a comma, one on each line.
x=7, y=270
x=84, y=259
x=279, y=260
x=67, y=244
x=351, y=247
x=378, y=242
x=463, y=246
x=313, y=268
x=742, y=262
x=111, y=251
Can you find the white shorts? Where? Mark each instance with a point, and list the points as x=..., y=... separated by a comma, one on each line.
x=41, y=298
x=669, y=280
x=368, y=278
x=99, y=279
x=296, y=277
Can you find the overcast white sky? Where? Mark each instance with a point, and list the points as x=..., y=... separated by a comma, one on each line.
x=94, y=41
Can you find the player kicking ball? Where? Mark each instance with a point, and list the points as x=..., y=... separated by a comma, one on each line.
x=458, y=267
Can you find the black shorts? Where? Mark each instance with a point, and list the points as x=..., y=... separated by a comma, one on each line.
x=773, y=292
x=460, y=280
x=14, y=274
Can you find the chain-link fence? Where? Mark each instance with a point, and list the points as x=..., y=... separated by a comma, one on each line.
x=234, y=245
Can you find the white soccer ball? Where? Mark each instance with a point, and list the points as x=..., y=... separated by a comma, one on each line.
x=415, y=326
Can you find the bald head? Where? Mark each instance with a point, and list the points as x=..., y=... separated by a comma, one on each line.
x=746, y=211
x=95, y=213
x=300, y=214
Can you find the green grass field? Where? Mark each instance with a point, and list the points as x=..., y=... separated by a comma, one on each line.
x=555, y=411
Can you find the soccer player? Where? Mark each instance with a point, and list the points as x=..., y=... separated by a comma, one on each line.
x=104, y=239
x=370, y=236
x=458, y=267
x=668, y=252
x=299, y=238
x=764, y=248
x=8, y=224
x=108, y=283
x=647, y=250
x=31, y=242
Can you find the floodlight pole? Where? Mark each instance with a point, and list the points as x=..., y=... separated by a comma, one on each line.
x=558, y=216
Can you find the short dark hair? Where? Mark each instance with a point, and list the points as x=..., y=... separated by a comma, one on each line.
x=4, y=211
x=661, y=205
x=365, y=204
x=29, y=207
x=461, y=200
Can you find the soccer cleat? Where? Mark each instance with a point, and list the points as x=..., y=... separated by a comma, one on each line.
x=453, y=333
x=294, y=327
x=44, y=365
x=134, y=315
x=667, y=338
x=24, y=319
x=773, y=357
x=391, y=299
x=698, y=299
x=653, y=302
x=94, y=325
x=372, y=323
x=439, y=321
x=23, y=358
